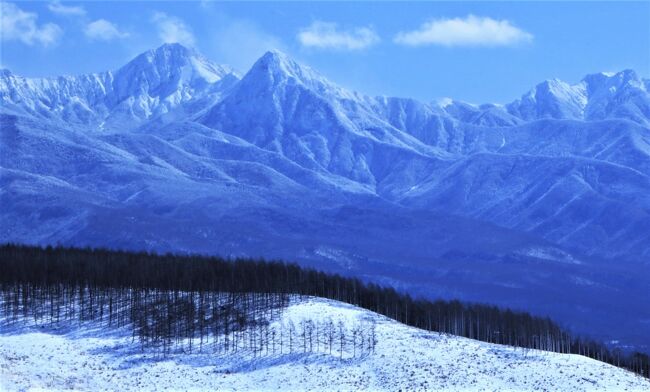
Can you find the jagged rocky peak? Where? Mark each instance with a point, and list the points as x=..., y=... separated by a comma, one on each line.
x=613, y=80
x=165, y=80
x=559, y=89
x=168, y=57
x=172, y=75
x=154, y=83
x=618, y=95
x=162, y=71
x=275, y=89
x=597, y=96
x=279, y=64
x=551, y=99
x=275, y=68
x=608, y=85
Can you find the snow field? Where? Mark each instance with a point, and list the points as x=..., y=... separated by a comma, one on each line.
x=406, y=358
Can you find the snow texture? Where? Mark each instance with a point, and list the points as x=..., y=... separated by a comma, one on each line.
x=91, y=358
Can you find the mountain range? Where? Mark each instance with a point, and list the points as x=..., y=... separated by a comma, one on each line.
x=540, y=204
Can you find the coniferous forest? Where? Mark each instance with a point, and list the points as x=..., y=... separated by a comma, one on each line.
x=195, y=302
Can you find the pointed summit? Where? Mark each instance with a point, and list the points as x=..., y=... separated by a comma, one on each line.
x=174, y=46
x=280, y=66
x=552, y=98
x=169, y=69
x=612, y=81
x=164, y=54
x=623, y=94
x=276, y=68
x=275, y=59
x=170, y=58
x=174, y=49
x=274, y=55
x=597, y=96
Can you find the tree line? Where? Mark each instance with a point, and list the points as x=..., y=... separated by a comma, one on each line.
x=173, y=300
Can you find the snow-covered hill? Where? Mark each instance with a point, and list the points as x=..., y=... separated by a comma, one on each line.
x=541, y=204
x=405, y=358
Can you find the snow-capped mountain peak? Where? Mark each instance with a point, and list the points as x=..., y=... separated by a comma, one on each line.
x=279, y=64
x=622, y=94
x=608, y=84
x=551, y=99
x=172, y=63
x=275, y=68
x=154, y=83
x=169, y=69
x=596, y=97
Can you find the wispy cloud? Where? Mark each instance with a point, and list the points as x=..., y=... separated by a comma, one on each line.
x=240, y=42
x=19, y=25
x=206, y=3
x=172, y=29
x=103, y=30
x=326, y=35
x=57, y=8
x=469, y=31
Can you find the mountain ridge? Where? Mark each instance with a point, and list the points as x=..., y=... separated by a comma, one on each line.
x=591, y=85
x=152, y=84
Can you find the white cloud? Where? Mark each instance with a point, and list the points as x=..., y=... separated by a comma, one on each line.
x=325, y=35
x=172, y=29
x=470, y=31
x=101, y=29
x=57, y=8
x=19, y=25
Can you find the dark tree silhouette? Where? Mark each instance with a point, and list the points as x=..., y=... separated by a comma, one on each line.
x=172, y=301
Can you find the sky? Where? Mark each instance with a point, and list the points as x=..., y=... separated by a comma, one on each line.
x=479, y=52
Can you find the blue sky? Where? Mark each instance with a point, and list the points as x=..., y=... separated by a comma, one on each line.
x=474, y=51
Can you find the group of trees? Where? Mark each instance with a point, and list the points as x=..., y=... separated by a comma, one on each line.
x=173, y=300
x=168, y=307
x=168, y=320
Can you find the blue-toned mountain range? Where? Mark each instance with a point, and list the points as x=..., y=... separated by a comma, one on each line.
x=541, y=204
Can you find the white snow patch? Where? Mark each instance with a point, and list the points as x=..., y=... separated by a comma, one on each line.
x=444, y=102
x=551, y=254
x=405, y=359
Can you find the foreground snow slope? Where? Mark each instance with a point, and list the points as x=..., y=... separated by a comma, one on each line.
x=406, y=358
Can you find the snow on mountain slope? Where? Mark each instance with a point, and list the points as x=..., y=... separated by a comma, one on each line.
x=158, y=81
x=598, y=96
x=552, y=98
x=488, y=115
x=288, y=108
x=151, y=85
x=405, y=358
x=598, y=205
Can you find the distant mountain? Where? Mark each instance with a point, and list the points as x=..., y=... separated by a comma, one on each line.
x=284, y=107
x=154, y=84
x=542, y=203
x=596, y=97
